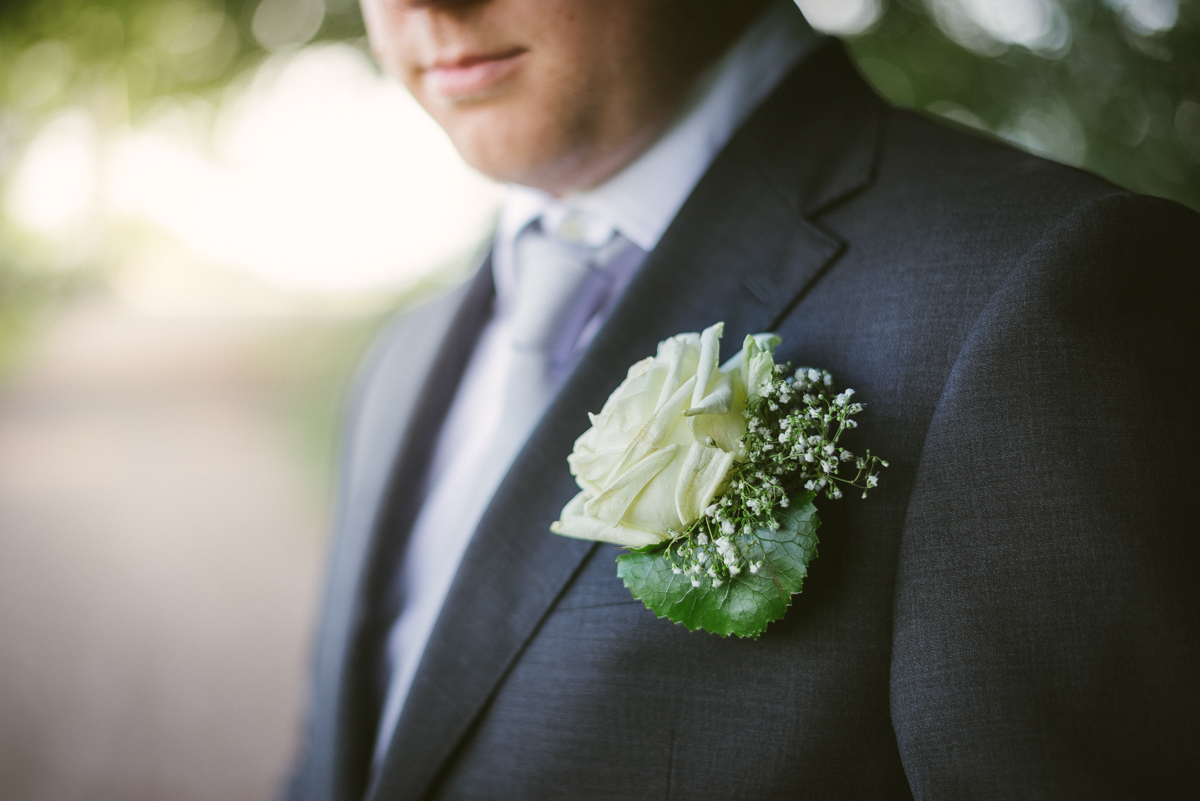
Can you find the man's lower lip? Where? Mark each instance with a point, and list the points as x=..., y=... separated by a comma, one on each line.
x=456, y=82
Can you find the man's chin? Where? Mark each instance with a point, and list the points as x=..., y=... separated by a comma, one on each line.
x=502, y=145
x=486, y=96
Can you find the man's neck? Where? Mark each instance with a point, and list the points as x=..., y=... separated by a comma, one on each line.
x=642, y=198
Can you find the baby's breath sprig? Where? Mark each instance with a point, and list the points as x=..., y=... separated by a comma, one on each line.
x=794, y=424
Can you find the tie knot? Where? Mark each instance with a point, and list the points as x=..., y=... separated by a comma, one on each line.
x=549, y=275
x=575, y=227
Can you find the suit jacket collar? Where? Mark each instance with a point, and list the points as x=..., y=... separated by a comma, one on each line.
x=741, y=250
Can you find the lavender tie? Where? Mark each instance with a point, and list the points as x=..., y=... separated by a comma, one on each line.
x=538, y=331
x=560, y=286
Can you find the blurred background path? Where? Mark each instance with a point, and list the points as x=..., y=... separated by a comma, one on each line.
x=159, y=550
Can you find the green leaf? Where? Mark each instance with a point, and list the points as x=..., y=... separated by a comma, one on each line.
x=746, y=603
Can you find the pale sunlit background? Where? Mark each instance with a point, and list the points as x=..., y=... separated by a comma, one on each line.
x=206, y=209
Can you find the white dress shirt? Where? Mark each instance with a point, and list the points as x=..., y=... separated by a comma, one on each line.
x=637, y=204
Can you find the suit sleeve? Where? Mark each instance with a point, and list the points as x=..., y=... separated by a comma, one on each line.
x=1047, y=612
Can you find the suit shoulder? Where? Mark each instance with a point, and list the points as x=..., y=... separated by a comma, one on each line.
x=1123, y=250
x=416, y=322
x=937, y=161
x=397, y=359
x=943, y=201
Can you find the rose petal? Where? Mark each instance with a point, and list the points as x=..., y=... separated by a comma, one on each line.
x=656, y=430
x=626, y=418
x=762, y=370
x=610, y=505
x=753, y=344
x=592, y=468
x=704, y=469
x=706, y=365
x=726, y=430
x=573, y=523
x=679, y=353
x=718, y=401
x=654, y=507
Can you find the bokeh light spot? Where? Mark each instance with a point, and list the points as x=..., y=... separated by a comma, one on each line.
x=55, y=186
x=283, y=23
x=841, y=17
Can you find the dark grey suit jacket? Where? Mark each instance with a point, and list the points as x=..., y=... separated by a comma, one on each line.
x=1012, y=614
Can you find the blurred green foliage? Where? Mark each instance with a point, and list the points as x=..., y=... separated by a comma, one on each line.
x=26, y=292
x=1105, y=93
x=115, y=59
x=115, y=56
x=1110, y=85
x=309, y=366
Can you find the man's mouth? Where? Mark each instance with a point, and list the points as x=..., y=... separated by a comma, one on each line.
x=470, y=75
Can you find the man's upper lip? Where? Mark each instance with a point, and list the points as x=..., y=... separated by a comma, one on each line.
x=464, y=60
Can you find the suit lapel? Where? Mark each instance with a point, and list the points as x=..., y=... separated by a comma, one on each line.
x=407, y=377
x=739, y=251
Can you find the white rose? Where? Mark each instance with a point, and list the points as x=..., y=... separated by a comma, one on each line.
x=660, y=449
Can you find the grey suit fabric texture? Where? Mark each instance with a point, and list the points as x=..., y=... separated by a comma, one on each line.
x=1012, y=614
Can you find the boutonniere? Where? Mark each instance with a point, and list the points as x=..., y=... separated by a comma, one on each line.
x=708, y=474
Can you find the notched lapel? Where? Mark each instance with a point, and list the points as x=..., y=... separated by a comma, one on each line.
x=740, y=251
x=821, y=146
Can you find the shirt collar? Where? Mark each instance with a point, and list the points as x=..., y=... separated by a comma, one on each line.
x=642, y=199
